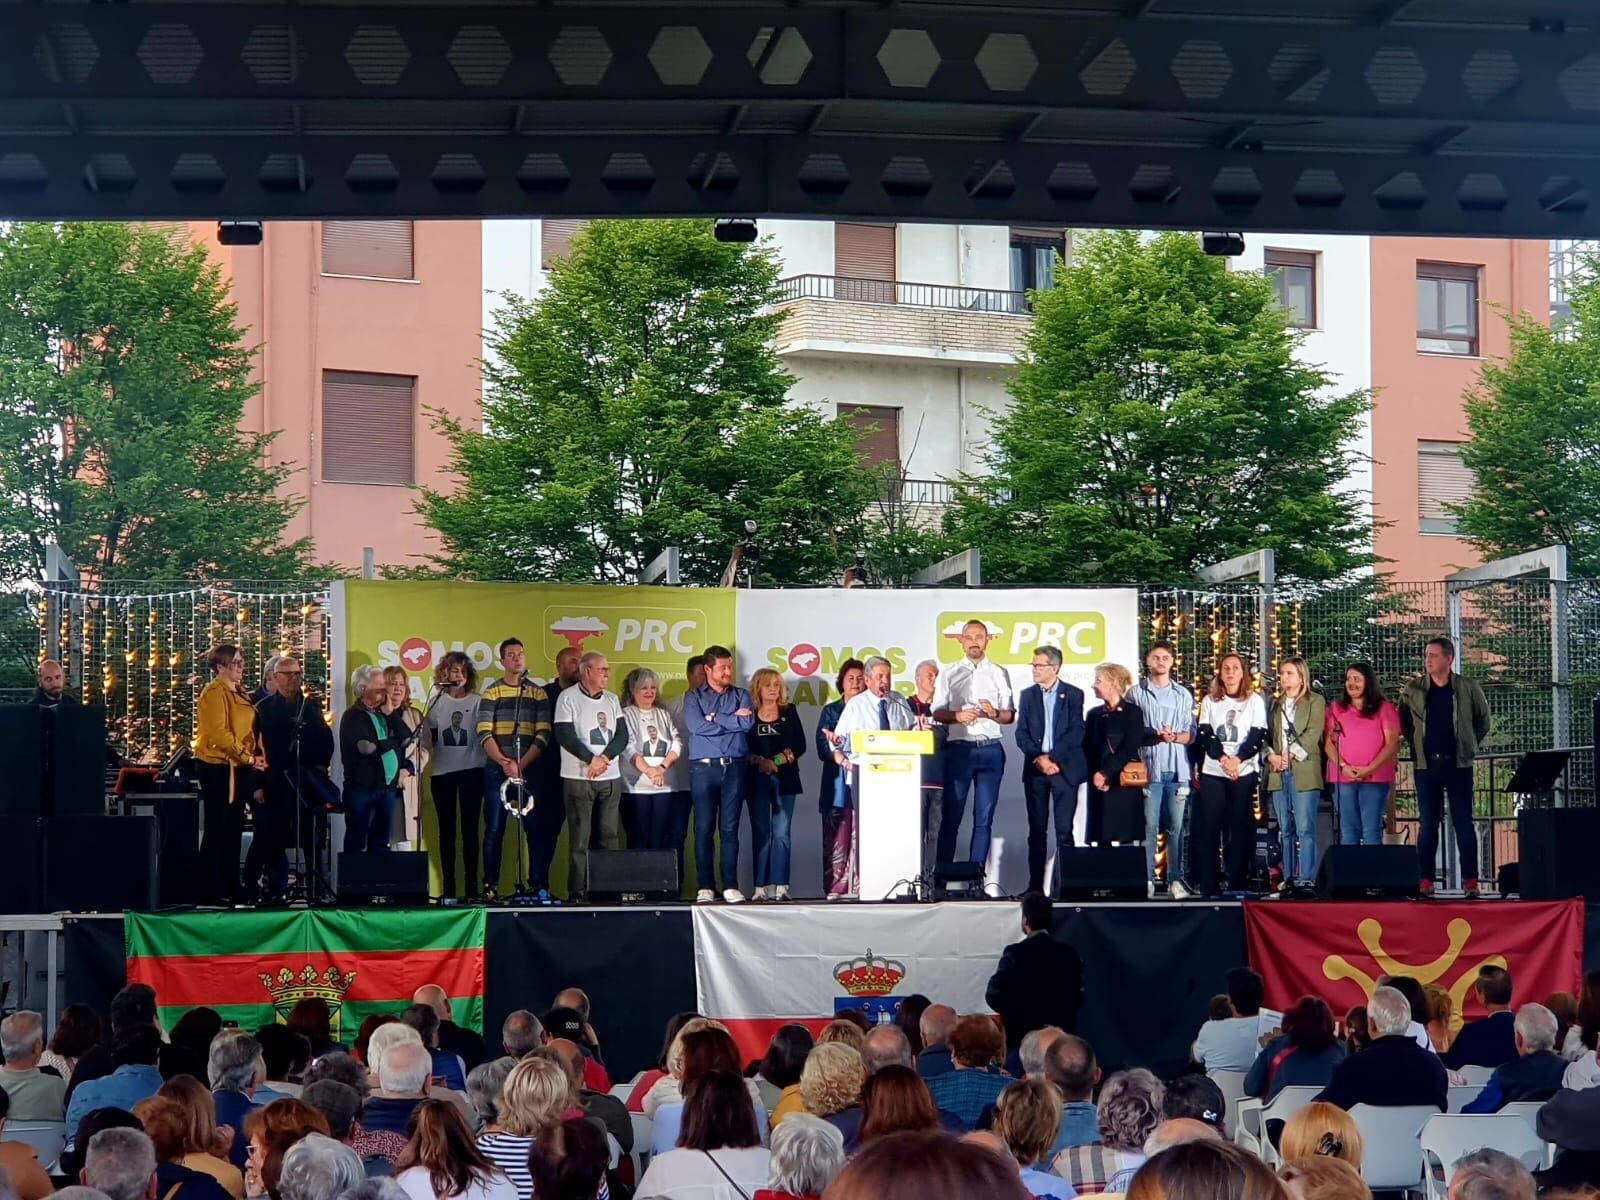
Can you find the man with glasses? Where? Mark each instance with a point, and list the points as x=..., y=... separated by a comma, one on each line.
x=297, y=741
x=592, y=736
x=1050, y=737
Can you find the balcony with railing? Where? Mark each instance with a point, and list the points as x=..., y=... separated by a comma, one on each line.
x=885, y=318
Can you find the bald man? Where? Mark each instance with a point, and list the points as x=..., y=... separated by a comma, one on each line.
x=52, y=691
x=464, y=1043
x=597, y=1106
x=938, y=1021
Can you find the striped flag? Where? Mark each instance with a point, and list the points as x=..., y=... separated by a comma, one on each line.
x=253, y=966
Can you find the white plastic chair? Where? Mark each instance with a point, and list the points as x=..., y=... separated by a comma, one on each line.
x=1460, y=1097
x=1448, y=1137
x=1478, y=1076
x=1232, y=1085
x=1391, y=1140
x=46, y=1137
x=622, y=1090
x=1527, y=1110
x=1252, y=1131
x=643, y=1131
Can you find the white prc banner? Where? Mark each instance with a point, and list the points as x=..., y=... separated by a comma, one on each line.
x=805, y=633
x=761, y=966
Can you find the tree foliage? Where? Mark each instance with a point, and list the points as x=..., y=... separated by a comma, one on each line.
x=123, y=376
x=1535, y=450
x=1162, y=422
x=638, y=403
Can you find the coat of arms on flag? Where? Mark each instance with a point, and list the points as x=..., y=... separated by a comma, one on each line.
x=869, y=983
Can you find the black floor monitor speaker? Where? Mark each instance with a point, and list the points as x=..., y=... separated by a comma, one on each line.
x=646, y=874
x=178, y=825
x=77, y=786
x=392, y=875
x=21, y=739
x=1367, y=872
x=100, y=864
x=1101, y=873
x=1556, y=853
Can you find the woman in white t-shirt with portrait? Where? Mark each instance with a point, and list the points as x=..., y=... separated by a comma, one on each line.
x=1233, y=728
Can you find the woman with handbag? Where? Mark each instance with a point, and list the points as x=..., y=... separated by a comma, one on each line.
x=1113, y=733
x=1295, y=769
x=228, y=767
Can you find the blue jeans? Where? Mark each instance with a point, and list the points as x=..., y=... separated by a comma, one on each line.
x=368, y=817
x=494, y=824
x=772, y=850
x=1297, y=829
x=1441, y=782
x=1161, y=799
x=1361, y=808
x=977, y=766
x=718, y=790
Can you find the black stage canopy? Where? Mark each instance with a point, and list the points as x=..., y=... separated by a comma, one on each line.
x=1428, y=116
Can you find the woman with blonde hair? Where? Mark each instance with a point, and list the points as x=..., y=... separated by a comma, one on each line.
x=1028, y=1117
x=1321, y=1130
x=442, y=1162
x=1323, y=1179
x=777, y=742
x=413, y=758
x=1233, y=728
x=200, y=1133
x=1441, y=1017
x=669, y=1088
x=1295, y=769
x=1112, y=735
x=847, y=1032
x=450, y=734
x=830, y=1082
x=536, y=1096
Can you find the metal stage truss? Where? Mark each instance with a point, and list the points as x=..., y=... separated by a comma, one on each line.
x=1388, y=116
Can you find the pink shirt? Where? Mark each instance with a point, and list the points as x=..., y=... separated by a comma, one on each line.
x=1360, y=739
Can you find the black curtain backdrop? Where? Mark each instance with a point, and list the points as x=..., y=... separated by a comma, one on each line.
x=636, y=964
x=94, y=963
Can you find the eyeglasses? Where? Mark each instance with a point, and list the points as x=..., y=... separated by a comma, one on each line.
x=291, y=674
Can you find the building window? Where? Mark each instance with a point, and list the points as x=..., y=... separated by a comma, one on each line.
x=1447, y=308
x=372, y=249
x=1294, y=278
x=1443, y=481
x=864, y=261
x=877, y=433
x=1033, y=258
x=368, y=427
x=555, y=239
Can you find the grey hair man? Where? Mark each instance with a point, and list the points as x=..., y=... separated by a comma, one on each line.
x=121, y=1163
x=377, y=1187
x=592, y=735
x=879, y=707
x=807, y=1152
x=1035, y=1046
x=343, y=1068
x=80, y=1192
x=339, y=1104
x=1537, y=1071
x=484, y=1082
x=1491, y=1175
x=405, y=1070
x=34, y=1096
x=937, y=1024
x=886, y=1046
x=319, y=1168
x=236, y=1064
x=1394, y=1071
x=521, y=1033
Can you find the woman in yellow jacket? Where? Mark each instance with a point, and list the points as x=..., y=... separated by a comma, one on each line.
x=227, y=754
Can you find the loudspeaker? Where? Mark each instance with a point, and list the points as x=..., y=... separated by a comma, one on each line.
x=100, y=864
x=651, y=874
x=1556, y=853
x=178, y=859
x=1367, y=872
x=21, y=739
x=395, y=875
x=22, y=882
x=1100, y=873
x=77, y=784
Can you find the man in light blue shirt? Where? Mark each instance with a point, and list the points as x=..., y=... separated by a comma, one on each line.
x=1070, y=1065
x=135, y=1078
x=1169, y=719
x=1233, y=1043
x=717, y=717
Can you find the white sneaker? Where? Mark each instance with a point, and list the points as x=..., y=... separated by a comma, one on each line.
x=1179, y=890
x=704, y=896
x=759, y=894
x=733, y=896
x=1150, y=889
x=781, y=892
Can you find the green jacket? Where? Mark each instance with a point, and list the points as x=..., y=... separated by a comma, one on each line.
x=1471, y=717
x=1309, y=713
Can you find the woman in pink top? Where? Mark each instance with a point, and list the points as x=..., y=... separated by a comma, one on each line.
x=1363, y=740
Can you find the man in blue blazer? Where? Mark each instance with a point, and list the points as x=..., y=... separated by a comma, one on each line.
x=1050, y=736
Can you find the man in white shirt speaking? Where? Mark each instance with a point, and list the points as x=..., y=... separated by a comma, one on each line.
x=879, y=707
x=973, y=697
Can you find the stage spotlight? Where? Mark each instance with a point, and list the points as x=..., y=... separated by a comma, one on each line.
x=734, y=229
x=1223, y=245
x=750, y=529
x=239, y=233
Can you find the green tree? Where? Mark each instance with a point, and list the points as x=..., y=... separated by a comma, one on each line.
x=1535, y=450
x=638, y=403
x=123, y=375
x=1162, y=422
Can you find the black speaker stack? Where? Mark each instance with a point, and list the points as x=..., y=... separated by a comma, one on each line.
x=618, y=875
x=1368, y=873
x=53, y=808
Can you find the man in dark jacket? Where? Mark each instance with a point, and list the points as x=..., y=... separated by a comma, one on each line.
x=297, y=741
x=1050, y=737
x=938, y=1021
x=1535, y=1074
x=1571, y=1123
x=1489, y=1041
x=464, y=1043
x=1393, y=1072
x=1039, y=980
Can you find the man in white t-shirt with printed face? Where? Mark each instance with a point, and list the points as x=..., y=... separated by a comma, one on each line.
x=592, y=735
x=973, y=697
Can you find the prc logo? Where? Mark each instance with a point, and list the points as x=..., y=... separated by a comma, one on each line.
x=1014, y=636
x=577, y=630
x=869, y=982
x=286, y=988
x=1459, y=931
x=804, y=659
x=415, y=654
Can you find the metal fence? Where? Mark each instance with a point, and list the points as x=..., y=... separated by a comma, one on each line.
x=891, y=291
